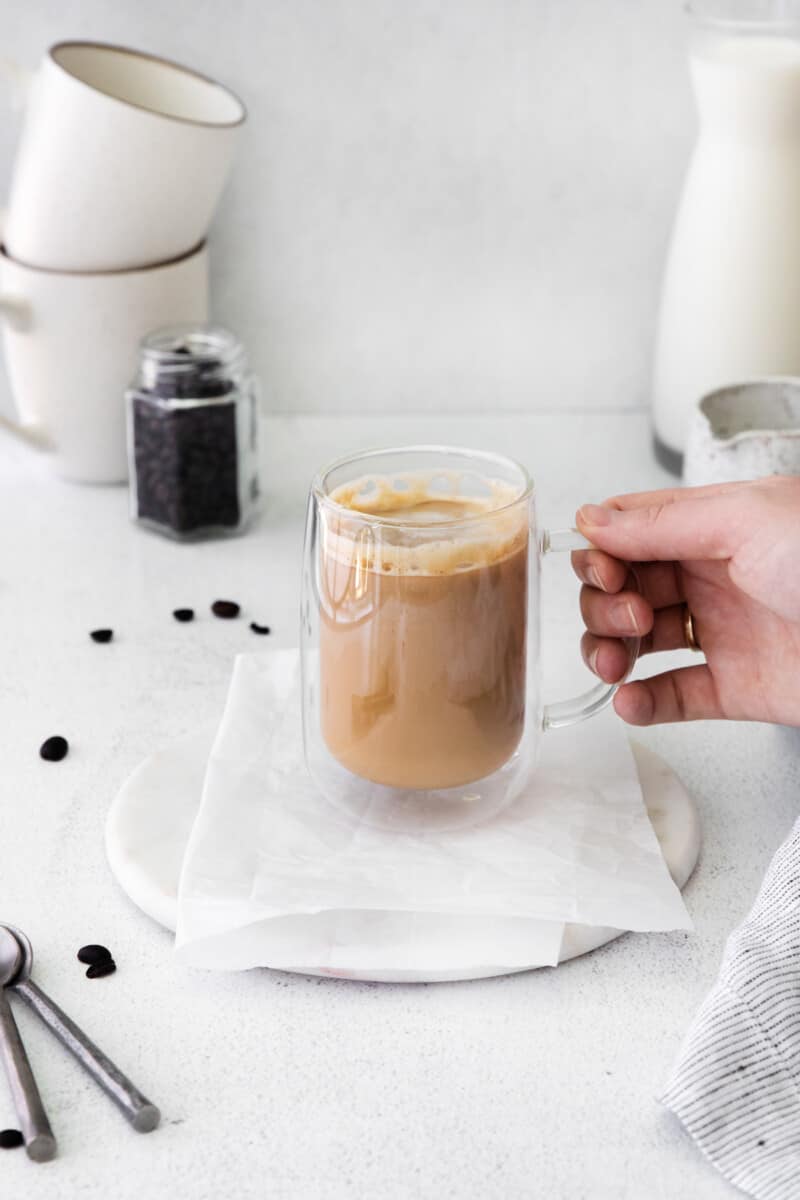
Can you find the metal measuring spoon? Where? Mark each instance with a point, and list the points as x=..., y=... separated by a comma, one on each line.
x=136, y=1108
x=40, y=1145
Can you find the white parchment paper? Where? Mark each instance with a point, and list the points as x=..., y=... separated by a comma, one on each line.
x=275, y=875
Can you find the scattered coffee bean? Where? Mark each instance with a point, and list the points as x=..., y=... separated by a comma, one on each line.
x=98, y=970
x=92, y=955
x=10, y=1139
x=183, y=614
x=54, y=749
x=101, y=635
x=256, y=628
x=225, y=608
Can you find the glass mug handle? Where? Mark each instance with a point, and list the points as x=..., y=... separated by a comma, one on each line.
x=588, y=704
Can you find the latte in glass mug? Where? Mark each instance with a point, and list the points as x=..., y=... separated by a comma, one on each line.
x=422, y=639
x=420, y=633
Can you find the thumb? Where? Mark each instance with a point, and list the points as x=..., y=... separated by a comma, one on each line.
x=707, y=527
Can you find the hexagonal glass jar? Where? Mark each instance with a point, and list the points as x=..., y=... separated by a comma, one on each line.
x=192, y=414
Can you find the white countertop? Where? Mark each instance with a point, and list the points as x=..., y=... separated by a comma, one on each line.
x=535, y=1085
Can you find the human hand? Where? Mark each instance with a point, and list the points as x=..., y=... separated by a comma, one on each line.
x=731, y=553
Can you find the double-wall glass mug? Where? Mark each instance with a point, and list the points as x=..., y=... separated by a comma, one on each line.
x=420, y=635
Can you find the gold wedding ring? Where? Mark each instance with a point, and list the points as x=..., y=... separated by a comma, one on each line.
x=689, y=634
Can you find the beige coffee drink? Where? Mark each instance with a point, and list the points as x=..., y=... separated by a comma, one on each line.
x=423, y=629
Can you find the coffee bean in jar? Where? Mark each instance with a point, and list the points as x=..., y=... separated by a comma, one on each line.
x=192, y=434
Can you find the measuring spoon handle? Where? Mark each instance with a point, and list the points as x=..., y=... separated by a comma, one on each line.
x=39, y=1141
x=136, y=1108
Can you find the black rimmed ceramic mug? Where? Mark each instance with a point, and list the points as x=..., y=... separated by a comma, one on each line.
x=121, y=160
x=420, y=631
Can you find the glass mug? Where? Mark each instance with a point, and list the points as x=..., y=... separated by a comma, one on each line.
x=420, y=638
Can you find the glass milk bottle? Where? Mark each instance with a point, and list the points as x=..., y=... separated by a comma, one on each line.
x=731, y=296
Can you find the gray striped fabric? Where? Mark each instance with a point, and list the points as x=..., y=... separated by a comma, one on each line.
x=736, y=1083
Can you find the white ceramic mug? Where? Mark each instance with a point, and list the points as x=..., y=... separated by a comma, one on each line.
x=121, y=160
x=71, y=344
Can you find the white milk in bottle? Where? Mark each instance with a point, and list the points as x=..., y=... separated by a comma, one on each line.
x=731, y=299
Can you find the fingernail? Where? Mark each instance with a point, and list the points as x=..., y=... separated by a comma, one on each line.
x=592, y=663
x=624, y=617
x=594, y=514
x=593, y=578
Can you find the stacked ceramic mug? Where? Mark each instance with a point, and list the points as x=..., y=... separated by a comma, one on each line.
x=120, y=165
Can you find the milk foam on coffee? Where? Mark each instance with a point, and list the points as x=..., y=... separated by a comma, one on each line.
x=423, y=628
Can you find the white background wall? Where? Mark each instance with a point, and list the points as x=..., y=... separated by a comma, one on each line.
x=438, y=204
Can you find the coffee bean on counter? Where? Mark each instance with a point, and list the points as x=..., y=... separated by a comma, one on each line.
x=98, y=970
x=256, y=628
x=54, y=749
x=225, y=609
x=101, y=635
x=92, y=955
x=183, y=614
x=10, y=1139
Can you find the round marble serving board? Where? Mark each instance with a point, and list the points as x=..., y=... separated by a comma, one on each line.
x=150, y=820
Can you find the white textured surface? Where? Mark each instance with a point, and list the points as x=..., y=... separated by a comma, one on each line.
x=539, y=1084
x=438, y=204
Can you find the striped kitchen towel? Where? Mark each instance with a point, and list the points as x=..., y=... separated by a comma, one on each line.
x=736, y=1083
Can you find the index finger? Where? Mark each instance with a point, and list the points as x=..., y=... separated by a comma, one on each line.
x=677, y=495
x=696, y=527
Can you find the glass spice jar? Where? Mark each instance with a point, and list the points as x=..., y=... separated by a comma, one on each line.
x=192, y=434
